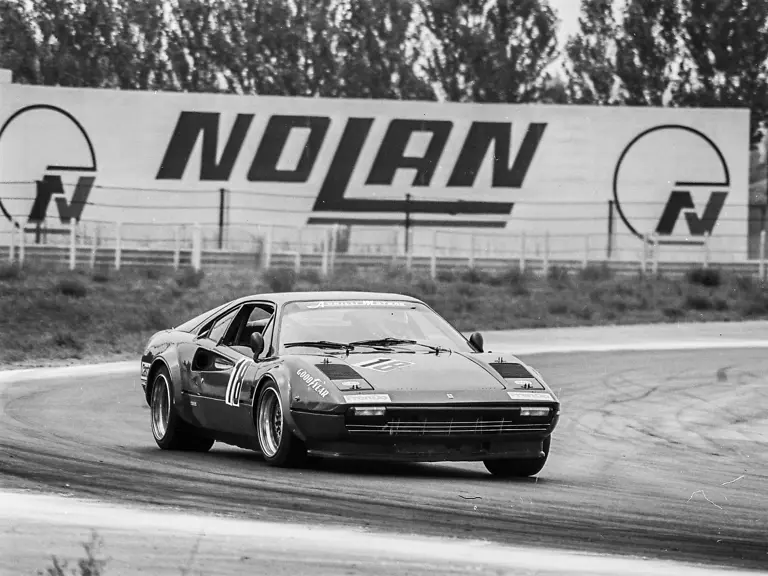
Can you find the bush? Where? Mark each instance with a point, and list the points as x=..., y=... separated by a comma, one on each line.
x=595, y=272
x=709, y=277
x=72, y=287
x=281, y=279
x=189, y=278
x=9, y=272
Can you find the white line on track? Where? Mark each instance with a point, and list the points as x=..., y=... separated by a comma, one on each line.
x=346, y=543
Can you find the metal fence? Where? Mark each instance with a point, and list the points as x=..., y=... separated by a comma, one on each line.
x=99, y=245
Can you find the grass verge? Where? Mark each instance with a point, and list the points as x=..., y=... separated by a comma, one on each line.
x=50, y=316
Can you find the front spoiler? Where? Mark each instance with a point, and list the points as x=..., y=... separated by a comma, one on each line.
x=326, y=436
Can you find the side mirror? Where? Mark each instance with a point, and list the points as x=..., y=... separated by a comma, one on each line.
x=476, y=339
x=257, y=344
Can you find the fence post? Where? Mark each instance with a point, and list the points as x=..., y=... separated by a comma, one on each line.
x=761, y=265
x=522, y=251
x=546, y=253
x=22, y=245
x=655, y=265
x=324, y=261
x=334, y=241
x=118, y=244
x=706, y=250
x=94, y=247
x=12, y=244
x=176, y=247
x=585, y=261
x=268, y=249
x=297, y=256
x=72, y=243
x=644, y=263
x=433, y=260
x=197, y=247
x=472, y=250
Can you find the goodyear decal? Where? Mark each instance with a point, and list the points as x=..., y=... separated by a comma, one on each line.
x=235, y=384
x=313, y=383
x=384, y=364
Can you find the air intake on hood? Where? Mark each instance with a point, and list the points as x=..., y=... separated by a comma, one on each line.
x=338, y=371
x=511, y=370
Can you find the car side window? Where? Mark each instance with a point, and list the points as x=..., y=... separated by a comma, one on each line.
x=220, y=326
x=252, y=318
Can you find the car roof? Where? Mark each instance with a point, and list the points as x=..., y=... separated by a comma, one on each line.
x=280, y=298
x=283, y=297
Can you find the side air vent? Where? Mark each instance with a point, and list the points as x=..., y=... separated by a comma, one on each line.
x=511, y=370
x=338, y=371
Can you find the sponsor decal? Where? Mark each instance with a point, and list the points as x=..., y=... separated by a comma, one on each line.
x=475, y=143
x=313, y=383
x=53, y=167
x=144, y=370
x=542, y=396
x=235, y=384
x=384, y=364
x=366, y=398
x=353, y=303
x=700, y=171
x=450, y=396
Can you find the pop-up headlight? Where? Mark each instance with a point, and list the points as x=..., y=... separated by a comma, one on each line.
x=351, y=385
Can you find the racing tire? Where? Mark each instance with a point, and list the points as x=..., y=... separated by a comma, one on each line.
x=168, y=428
x=279, y=446
x=519, y=468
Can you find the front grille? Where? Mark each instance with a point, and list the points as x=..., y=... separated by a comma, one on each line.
x=506, y=370
x=338, y=371
x=400, y=422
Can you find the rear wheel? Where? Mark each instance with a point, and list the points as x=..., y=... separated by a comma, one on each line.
x=519, y=468
x=278, y=445
x=169, y=430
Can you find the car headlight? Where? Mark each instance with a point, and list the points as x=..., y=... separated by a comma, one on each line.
x=534, y=411
x=369, y=410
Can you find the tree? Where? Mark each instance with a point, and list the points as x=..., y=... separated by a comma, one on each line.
x=649, y=51
x=489, y=51
x=591, y=55
x=728, y=53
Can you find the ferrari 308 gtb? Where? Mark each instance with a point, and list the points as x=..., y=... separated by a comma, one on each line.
x=345, y=374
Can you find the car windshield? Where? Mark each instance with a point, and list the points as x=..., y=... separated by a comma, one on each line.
x=342, y=322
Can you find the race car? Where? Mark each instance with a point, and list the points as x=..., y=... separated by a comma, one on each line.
x=345, y=374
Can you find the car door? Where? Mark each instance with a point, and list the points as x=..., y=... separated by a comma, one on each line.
x=212, y=369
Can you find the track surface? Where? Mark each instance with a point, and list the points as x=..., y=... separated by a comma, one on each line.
x=660, y=454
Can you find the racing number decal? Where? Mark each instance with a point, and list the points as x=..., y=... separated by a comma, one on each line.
x=384, y=364
x=235, y=384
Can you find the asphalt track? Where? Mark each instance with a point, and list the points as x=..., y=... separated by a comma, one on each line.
x=659, y=454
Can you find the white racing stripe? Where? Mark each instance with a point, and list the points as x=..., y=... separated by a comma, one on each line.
x=342, y=543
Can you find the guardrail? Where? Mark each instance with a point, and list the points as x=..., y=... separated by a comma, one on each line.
x=76, y=254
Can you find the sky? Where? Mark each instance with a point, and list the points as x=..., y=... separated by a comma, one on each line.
x=568, y=12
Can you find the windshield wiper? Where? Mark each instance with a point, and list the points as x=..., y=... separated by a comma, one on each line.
x=394, y=341
x=322, y=344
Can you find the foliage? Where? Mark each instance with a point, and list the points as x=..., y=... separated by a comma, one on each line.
x=33, y=311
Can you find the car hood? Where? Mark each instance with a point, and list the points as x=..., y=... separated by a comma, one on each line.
x=420, y=371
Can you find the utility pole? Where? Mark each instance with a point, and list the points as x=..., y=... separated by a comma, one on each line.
x=407, y=222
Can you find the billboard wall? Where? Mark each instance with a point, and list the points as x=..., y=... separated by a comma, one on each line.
x=105, y=155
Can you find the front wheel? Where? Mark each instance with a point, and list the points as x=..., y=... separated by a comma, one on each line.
x=169, y=430
x=519, y=468
x=278, y=445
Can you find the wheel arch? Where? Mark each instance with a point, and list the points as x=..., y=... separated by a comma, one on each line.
x=283, y=384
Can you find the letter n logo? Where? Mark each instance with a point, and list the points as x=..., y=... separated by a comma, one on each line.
x=51, y=186
x=681, y=201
